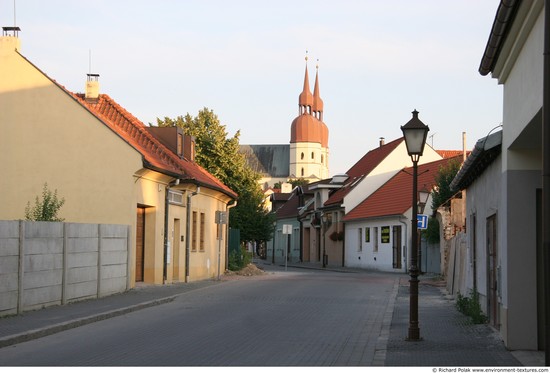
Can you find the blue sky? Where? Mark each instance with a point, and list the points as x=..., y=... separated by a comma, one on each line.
x=378, y=61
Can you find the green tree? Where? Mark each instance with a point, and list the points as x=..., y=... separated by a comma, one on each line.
x=45, y=209
x=445, y=175
x=219, y=154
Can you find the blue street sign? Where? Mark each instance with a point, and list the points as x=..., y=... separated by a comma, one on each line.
x=422, y=221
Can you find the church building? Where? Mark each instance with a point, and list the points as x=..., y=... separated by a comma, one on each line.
x=306, y=157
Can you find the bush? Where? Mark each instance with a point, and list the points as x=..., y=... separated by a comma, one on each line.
x=47, y=209
x=470, y=306
x=239, y=260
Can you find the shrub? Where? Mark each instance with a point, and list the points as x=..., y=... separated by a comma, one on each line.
x=470, y=306
x=47, y=209
x=239, y=259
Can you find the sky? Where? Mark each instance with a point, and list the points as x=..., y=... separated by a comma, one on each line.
x=378, y=60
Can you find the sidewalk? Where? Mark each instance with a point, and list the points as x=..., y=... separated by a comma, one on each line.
x=448, y=338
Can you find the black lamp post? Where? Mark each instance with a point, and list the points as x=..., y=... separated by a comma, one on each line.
x=415, y=133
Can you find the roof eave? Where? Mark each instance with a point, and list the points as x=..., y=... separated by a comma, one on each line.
x=504, y=18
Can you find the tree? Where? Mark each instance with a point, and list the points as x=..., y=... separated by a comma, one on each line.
x=442, y=191
x=219, y=155
x=45, y=209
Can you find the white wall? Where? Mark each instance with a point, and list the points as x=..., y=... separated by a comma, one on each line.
x=365, y=254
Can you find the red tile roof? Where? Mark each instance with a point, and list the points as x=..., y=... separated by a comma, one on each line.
x=395, y=196
x=451, y=153
x=155, y=155
x=361, y=169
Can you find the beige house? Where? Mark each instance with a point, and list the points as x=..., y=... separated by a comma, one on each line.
x=110, y=168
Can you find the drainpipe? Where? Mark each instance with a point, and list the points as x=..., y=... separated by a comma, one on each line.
x=187, y=225
x=234, y=204
x=166, y=213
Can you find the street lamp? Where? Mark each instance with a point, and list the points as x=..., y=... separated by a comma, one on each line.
x=415, y=133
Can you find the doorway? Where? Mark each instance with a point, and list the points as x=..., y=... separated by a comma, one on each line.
x=140, y=243
x=396, y=246
x=492, y=272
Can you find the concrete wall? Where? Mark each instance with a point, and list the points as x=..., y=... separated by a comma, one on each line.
x=44, y=264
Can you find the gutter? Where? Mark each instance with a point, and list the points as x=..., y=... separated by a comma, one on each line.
x=234, y=204
x=504, y=19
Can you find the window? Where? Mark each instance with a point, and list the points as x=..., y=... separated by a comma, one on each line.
x=375, y=239
x=385, y=234
x=360, y=236
x=312, y=155
x=302, y=156
x=175, y=197
x=201, y=242
x=180, y=144
x=367, y=234
x=322, y=158
x=302, y=171
x=194, y=232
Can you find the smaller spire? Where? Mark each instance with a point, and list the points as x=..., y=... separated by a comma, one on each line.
x=317, y=101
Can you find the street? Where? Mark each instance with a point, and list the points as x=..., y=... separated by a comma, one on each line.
x=292, y=318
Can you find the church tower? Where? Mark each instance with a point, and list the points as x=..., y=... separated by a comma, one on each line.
x=309, y=135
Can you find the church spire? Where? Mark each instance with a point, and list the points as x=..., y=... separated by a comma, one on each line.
x=305, y=100
x=317, y=101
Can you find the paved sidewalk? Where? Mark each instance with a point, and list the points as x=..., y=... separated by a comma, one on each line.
x=448, y=337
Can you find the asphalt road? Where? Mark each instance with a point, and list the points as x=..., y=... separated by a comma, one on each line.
x=292, y=318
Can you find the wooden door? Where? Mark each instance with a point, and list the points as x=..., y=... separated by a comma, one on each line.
x=492, y=271
x=140, y=243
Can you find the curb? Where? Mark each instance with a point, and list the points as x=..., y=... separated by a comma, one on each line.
x=56, y=328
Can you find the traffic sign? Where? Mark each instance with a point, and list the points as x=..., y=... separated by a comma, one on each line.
x=422, y=221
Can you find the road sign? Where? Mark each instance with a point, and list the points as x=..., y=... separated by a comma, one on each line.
x=287, y=228
x=422, y=221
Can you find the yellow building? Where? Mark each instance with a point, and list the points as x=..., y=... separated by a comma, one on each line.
x=110, y=168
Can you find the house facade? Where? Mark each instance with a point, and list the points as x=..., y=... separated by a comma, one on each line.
x=509, y=227
x=378, y=230
x=109, y=168
x=335, y=200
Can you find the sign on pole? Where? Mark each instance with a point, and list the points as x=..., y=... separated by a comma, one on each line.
x=422, y=221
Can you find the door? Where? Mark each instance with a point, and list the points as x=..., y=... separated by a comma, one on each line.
x=492, y=271
x=140, y=243
x=307, y=245
x=396, y=246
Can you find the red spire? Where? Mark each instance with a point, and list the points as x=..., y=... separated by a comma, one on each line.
x=317, y=101
x=306, y=98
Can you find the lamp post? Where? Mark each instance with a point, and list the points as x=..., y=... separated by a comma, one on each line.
x=415, y=133
x=324, y=221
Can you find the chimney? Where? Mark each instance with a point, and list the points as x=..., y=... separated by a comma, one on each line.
x=463, y=146
x=382, y=142
x=92, y=87
x=10, y=39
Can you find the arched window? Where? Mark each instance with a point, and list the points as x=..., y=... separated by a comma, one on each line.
x=312, y=155
x=302, y=156
x=302, y=171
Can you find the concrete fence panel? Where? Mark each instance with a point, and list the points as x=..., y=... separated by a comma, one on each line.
x=45, y=263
